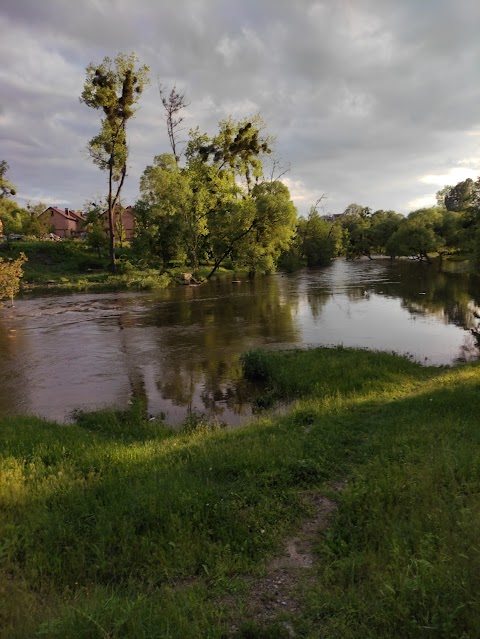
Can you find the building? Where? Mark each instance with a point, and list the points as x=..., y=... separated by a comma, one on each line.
x=124, y=222
x=64, y=222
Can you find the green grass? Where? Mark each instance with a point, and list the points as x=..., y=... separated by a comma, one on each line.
x=118, y=527
x=72, y=266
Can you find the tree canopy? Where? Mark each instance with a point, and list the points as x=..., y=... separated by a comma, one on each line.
x=218, y=205
x=113, y=87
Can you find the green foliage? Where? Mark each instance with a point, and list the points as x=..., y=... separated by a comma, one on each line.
x=358, y=231
x=164, y=223
x=21, y=221
x=13, y=217
x=319, y=241
x=274, y=227
x=461, y=196
x=216, y=207
x=73, y=265
x=418, y=235
x=113, y=87
x=94, y=227
x=6, y=187
x=256, y=365
x=11, y=272
x=37, y=225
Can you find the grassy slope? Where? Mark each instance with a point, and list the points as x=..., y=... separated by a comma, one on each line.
x=118, y=528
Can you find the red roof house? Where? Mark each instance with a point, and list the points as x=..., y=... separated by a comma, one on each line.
x=64, y=222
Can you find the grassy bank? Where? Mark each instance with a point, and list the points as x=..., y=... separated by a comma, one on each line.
x=117, y=527
x=71, y=266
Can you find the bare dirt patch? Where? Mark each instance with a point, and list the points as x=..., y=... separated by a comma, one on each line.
x=277, y=592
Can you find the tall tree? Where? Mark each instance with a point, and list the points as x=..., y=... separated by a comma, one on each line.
x=114, y=87
x=218, y=205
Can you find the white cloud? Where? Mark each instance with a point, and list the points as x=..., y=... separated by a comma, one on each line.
x=421, y=202
x=452, y=176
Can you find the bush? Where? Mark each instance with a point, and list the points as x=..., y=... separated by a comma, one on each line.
x=256, y=365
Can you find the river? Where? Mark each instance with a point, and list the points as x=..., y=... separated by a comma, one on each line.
x=178, y=349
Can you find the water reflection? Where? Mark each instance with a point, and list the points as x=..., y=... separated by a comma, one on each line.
x=179, y=349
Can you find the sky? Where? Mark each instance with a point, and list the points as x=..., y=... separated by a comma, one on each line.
x=370, y=101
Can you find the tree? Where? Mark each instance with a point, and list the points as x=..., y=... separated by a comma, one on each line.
x=95, y=227
x=442, y=194
x=13, y=217
x=173, y=102
x=254, y=231
x=356, y=210
x=6, y=187
x=412, y=240
x=35, y=224
x=114, y=88
x=162, y=213
x=460, y=196
x=418, y=235
x=218, y=205
x=357, y=228
x=382, y=226
x=11, y=272
x=224, y=170
x=319, y=240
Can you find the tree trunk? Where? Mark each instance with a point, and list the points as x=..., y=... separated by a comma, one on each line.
x=111, y=225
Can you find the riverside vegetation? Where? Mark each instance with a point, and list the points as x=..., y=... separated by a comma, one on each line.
x=73, y=266
x=118, y=527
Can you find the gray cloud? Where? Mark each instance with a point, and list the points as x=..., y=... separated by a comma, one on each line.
x=365, y=97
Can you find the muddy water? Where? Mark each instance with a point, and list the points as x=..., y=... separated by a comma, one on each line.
x=179, y=349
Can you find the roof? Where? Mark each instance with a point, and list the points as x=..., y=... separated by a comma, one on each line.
x=77, y=214
x=123, y=209
x=69, y=214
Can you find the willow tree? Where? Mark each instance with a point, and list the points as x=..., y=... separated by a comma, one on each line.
x=113, y=87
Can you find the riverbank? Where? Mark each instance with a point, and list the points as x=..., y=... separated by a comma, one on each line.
x=71, y=266
x=119, y=527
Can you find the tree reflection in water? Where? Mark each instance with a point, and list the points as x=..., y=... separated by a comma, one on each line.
x=178, y=350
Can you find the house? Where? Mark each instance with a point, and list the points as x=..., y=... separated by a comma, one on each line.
x=124, y=222
x=64, y=222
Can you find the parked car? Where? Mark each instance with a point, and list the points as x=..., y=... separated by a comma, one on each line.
x=15, y=237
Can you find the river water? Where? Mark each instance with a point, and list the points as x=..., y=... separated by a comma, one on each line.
x=179, y=349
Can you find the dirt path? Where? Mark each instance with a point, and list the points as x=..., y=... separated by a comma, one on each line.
x=277, y=591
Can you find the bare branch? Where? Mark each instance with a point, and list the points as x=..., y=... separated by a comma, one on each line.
x=279, y=169
x=324, y=196
x=173, y=102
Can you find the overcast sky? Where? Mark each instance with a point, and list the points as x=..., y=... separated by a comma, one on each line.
x=371, y=101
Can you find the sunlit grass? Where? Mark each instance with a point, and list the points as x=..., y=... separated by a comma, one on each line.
x=118, y=527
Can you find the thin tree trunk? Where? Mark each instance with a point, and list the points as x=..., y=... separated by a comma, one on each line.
x=111, y=226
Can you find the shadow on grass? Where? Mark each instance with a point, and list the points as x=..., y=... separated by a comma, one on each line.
x=95, y=506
